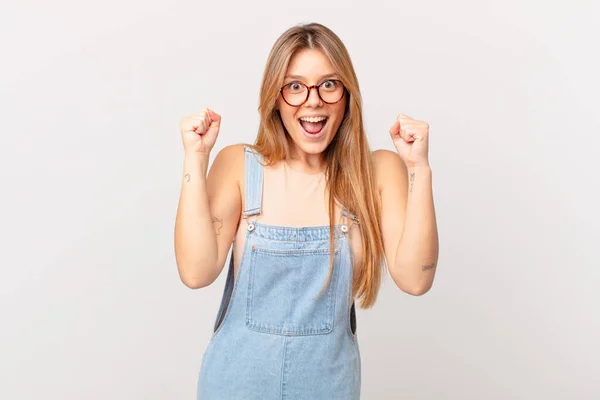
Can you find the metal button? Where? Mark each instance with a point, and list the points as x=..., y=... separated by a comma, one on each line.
x=250, y=227
x=344, y=228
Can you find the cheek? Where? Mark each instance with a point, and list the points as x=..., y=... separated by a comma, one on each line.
x=288, y=118
x=339, y=114
x=288, y=115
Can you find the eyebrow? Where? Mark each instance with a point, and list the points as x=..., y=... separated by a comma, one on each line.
x=302, y=77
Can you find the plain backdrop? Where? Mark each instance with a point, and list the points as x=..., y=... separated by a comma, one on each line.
x=91, y=161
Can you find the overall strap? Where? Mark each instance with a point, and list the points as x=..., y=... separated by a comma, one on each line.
x=253, y=182
x=348, y=214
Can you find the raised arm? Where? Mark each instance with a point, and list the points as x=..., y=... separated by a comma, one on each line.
x=409, y=226
x=208, y=213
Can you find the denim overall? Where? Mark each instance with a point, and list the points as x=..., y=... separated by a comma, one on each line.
x=274, y=339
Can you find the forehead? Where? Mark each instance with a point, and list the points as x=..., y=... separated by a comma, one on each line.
x=310, y=64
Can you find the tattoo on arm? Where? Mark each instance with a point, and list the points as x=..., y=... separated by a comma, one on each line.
x=219, y=224
x=430, y=266
x=187, y=177
x=412, y=180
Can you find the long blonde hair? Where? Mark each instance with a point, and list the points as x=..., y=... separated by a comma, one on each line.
x=349, y=163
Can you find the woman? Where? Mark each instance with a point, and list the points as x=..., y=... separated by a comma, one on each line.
x=312, y=213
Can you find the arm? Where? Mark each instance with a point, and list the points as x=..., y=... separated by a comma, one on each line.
x=208, y=214
x=408, y=222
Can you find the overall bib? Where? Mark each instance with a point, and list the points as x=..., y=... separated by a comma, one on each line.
x=274, y=337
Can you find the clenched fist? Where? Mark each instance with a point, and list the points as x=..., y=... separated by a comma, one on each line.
x=199, y=131
x=411, y=139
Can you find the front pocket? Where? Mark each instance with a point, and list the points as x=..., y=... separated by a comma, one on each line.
x=283, y=291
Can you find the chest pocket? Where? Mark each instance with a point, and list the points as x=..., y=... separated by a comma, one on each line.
x=283, y=291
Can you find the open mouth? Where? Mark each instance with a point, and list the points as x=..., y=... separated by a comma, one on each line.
x=313, y=128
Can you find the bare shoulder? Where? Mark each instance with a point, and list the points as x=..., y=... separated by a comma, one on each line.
x=225, y=176
x=232, y=153
x=389, y=169
x=229, y=164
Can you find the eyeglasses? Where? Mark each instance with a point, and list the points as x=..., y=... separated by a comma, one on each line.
x=296, y=93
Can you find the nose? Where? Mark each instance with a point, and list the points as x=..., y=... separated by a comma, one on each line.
x=313, y=98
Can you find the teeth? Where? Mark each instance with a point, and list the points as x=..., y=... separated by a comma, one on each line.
x=313, y=119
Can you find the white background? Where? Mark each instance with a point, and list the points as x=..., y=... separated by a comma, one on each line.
x=91, y=160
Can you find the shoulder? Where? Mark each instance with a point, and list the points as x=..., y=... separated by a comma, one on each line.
x=229, y=163
x=389, y=168
x=233, y=152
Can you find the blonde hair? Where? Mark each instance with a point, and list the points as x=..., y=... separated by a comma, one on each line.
x=349, y=163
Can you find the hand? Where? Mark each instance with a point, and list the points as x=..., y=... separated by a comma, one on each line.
x=411, y=139
x=199, y=131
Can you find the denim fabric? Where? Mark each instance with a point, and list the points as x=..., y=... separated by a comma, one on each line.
x=275, y=337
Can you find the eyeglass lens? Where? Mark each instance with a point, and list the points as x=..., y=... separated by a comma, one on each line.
x=296, y=93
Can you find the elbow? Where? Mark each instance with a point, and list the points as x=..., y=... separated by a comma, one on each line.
x=419, y=291
x=412, y=282
x=413, y=288
x=192, y=279
x=194, y=283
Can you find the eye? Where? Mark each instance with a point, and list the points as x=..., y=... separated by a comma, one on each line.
x=329, y=84
x=295, y=87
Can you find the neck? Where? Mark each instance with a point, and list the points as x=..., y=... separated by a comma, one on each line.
x=306, y=162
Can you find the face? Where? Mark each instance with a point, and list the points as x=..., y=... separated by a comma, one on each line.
x=311, y=67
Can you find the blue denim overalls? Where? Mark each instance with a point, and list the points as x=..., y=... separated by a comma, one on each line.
x=274, y=339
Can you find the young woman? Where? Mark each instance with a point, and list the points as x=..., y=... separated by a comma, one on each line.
x=312, y=213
